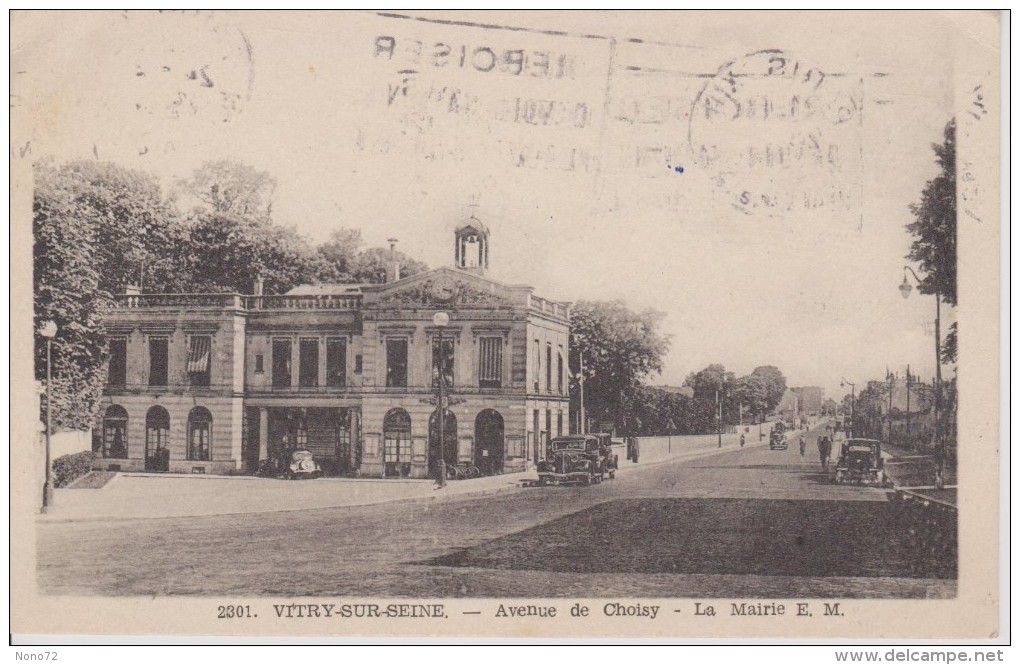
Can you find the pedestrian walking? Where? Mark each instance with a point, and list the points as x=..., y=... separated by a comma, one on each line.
x=803, y=444
x=741, y=440
x=824, y=451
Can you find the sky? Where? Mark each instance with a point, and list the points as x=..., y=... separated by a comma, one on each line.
x=747, y=174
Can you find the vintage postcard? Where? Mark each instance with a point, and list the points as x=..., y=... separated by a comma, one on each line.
x=506, y=324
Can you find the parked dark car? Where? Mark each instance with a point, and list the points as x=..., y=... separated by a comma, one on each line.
x=860, y=461
x=303, y=465
x=582, y=458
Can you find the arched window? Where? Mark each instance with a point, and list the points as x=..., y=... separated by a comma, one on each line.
x=199, y=434
x=397, y=442
x=115, y=429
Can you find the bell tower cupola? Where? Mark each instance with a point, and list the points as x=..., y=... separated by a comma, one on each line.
x=471, y=246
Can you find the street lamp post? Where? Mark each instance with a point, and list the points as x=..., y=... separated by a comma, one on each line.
x=441, y=320
x=853, y=400
x=48, y=330
x=905, y=289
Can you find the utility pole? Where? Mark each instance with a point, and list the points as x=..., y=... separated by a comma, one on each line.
x=718, y=416
x=908, y=406
x=584, y=423
x=888, y=415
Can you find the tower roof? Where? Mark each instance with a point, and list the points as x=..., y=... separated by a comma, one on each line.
x=472, y=223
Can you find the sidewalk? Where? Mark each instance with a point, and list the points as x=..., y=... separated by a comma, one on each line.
x=148, y=496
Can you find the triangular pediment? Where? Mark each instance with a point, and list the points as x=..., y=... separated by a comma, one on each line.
x=446, y=287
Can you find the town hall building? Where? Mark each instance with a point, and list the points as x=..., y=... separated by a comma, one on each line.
x=221, y=383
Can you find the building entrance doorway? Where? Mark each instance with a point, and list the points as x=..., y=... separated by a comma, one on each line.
x=489, y=443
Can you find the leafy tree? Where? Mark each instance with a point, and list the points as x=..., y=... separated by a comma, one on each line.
x=710, y=380
x=338, y=255
x=659, y=412
x=620, y=348
x=229, y=187
x=96, y=227
x=934, y=232
x=752, y=392
x=774, y=384
x=229, y=252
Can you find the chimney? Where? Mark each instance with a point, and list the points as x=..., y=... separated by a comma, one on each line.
x=259, y=285
x=393, y=270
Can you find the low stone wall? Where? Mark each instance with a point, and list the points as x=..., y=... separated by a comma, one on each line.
x=652, y=448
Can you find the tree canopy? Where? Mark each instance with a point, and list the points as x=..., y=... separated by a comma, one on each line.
x=620, y=347
x=756, y=394
x=96, y=227
x=934, y=232
x=229, y=187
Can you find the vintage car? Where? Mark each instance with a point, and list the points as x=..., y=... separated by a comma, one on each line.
x=860, y=461
x=582, y=458
x=777, y=440
x=303, y=465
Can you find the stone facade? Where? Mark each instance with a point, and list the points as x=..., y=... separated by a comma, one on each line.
x=219, y=383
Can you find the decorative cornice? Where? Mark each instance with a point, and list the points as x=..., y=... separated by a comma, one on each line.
x=464, y=295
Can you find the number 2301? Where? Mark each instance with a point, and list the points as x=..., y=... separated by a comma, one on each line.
x=235, y=612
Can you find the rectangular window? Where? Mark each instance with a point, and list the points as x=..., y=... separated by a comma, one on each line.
x=559, y=423
x=260, y=363
x=490, y=362
x=308, y=359
x=281, y=363
x=538, y=363
x=357, y=364
x=548, y=368
x=336, y=362
x=199, y=360
x=159, y=351
x=548, y=422
x=117, y=375
x=442, y=362
x=396, y=363
x=559, y=371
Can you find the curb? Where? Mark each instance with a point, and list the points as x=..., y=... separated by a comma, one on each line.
x=467, y=494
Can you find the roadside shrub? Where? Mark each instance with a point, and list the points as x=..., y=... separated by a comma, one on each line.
x=68, y=468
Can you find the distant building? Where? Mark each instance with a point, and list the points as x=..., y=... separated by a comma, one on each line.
x=810, y=399
x=214, y=383
x=915, y=396
x=789, y=405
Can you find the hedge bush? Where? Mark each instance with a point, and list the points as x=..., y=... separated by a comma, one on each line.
x=68, y=468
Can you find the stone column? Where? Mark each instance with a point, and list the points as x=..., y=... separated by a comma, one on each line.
x=357, y=450
x=263, y=433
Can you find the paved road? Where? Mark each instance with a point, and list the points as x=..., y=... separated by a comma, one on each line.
x=744, y=523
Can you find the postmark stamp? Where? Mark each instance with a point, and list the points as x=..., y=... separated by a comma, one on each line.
x=779, y=135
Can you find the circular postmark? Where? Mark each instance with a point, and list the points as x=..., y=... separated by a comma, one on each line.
x=778, y=135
